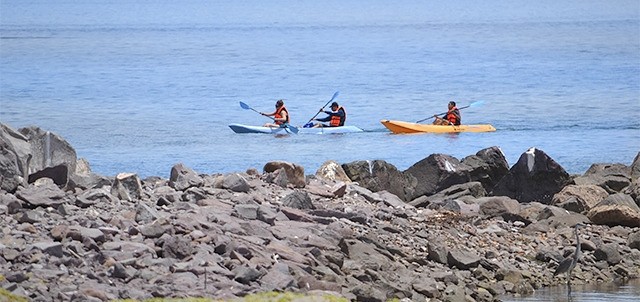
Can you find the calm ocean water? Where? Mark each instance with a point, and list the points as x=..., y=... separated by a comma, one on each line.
x=137, y=86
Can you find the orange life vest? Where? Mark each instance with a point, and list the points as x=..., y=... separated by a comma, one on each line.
x=452, y=117
x=278, y=115
x=336, y=120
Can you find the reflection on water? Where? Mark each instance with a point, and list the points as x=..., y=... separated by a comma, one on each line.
x=629, y=291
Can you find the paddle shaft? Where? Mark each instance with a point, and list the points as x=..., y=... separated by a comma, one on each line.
x=435, y=115
x=325, y=105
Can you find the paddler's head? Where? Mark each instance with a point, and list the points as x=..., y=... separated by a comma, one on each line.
x=279, y=103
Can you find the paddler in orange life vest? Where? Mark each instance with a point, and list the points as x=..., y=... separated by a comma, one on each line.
x=452, y=117
x=280, y=116
x=336, y=117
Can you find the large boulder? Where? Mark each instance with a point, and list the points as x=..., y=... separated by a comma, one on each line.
x=499, y=206
x=42, y=193
x=50, y=150
x=487, y=166
x=84, y=179
x=127, y=186
x=331, y=170
x=611, y=177
x=634, y=188
x=473, y=189
x=378, y=175
x=15, y=151
x=31, y=153
x=535, y=177
x=183, y=177
x=635, y=167
x=435, y=173
x=617, y=209
x=294, y=173
x=579, y=198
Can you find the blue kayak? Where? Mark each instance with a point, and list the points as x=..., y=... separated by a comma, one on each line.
x=239, y=128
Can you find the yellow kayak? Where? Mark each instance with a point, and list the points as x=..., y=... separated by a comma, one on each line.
x=407, y=127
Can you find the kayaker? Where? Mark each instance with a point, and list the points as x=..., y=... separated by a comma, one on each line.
x=336, y=117
x=452, y=117
x=281, y=115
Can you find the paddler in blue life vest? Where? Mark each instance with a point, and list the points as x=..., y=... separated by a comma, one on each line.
x=452, y=117
x=280, y=116
x=336, y=117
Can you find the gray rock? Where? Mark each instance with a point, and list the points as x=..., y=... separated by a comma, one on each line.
x=177, y=247
x=295, y=173
x=42, y=194
x=15, y=152
x=50, y=150
x=462, y=259
x=246, y=274
x=12, y=203
x=617, y=209
x=635, y=167
x=392, y=199
x=183, y=177
x=437, y=252
x=145, y=213
x=368, y=293
x=608, y=252
x=331, y=170
x=498, y=206
x=94, y=196
x=535, y=177
x=427, y=287
x=247, y=211
x=436, y=173
x=473, y=189
x=236, y=182
x=379, y=175
x=266, y=214
x=611, y=177
x=127, y=186
x=154, y=230
x=487, y=166
x=298, y=200
x=579, y=198
x=278, y=278
x=634, y=240
x=50, y=248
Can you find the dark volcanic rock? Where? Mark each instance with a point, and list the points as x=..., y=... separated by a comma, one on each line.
x=487, y=166
x=611, y=177
x=535, y=177
x=435, y=173
x=378, y=175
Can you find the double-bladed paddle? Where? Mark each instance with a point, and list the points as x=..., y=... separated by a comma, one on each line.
x=335, y=95
x=476, y=103
x=284, y=125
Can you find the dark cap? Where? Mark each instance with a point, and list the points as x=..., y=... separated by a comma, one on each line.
x=279, y=103
x=334, y=104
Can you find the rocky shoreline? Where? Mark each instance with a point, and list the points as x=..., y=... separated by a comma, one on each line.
x=443, y=230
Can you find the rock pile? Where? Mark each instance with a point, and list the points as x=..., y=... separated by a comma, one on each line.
x=444, y=229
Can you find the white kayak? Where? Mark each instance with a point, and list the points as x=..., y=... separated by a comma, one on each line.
x=240, y=128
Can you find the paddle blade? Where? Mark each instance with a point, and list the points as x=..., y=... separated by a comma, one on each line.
x=335, y=95
x=293, y=129
x=476, y=103
x=244, y=106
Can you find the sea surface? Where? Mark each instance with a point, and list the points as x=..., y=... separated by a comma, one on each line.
x=602, y=292
x=138, y=86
